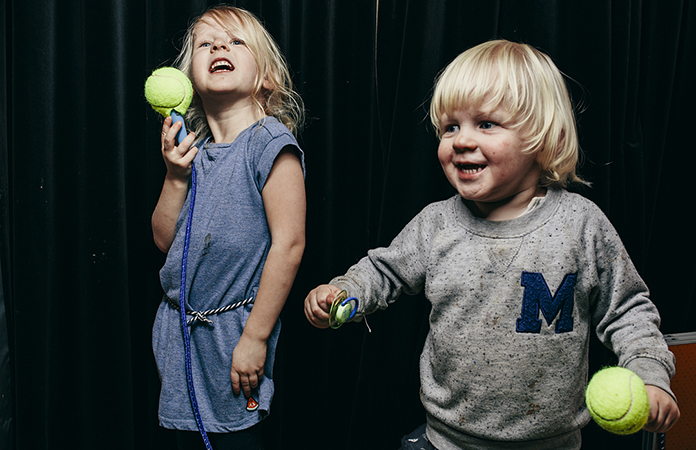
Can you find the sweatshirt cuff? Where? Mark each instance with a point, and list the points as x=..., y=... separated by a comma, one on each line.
x=343, y=283
x=652, y=372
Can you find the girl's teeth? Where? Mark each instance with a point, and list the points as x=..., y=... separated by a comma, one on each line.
x=220, y=65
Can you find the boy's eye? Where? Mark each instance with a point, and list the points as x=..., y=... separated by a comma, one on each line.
x=451, y=128
x=487, y=125
x=237, y=42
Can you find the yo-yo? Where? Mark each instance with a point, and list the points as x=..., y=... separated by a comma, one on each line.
x=342, y=309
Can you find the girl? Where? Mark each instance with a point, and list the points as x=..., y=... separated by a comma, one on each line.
x=247, y=229
x=518, y=270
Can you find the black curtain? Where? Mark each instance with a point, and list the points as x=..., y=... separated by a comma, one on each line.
x=80, y=173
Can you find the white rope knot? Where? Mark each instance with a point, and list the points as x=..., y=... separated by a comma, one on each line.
x=197, y=316
x=202, y=316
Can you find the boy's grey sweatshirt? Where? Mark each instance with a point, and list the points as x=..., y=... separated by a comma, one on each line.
x=513, y=306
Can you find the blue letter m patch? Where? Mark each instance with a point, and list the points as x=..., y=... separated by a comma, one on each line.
x=537, y=296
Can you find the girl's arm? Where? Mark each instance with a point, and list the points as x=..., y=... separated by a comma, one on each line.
x=178, y=161
x=285, y=206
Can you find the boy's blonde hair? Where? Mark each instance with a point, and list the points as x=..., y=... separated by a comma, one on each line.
x=280, y=101
x=529, y=86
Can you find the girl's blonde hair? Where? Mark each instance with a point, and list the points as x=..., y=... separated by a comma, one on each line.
x=280, y=101
x=529, y=86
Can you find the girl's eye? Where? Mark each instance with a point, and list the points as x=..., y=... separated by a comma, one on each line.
x=205, y=44
x=237, y=42
x=487, y=125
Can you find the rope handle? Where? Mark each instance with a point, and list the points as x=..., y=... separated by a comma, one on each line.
x=182, y=309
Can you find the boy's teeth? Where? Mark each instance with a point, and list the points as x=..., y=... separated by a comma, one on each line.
x=470, y=168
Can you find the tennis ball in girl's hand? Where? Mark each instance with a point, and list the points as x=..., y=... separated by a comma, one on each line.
x=168, y=89
x=617, y=400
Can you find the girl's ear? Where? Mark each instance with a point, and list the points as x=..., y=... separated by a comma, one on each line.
x=268, y=84
x=269, y=78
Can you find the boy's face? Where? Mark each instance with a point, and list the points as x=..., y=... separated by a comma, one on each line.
x=482, y=158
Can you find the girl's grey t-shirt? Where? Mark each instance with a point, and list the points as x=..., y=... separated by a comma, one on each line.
x=229, y=242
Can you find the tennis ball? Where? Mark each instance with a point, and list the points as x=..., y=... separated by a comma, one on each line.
x=617, y=400
x=168, y=89
x=343, y=312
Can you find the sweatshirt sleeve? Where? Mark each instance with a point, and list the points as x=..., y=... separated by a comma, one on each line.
x=625, y=318
x=378, y=279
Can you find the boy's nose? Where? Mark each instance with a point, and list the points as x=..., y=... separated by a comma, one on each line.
x=464, y=141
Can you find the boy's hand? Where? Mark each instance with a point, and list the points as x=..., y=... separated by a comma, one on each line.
x=318, y=304
x=664, y=411
x=177, y=158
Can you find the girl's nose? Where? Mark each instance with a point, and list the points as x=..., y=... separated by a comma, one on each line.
x=219, y=44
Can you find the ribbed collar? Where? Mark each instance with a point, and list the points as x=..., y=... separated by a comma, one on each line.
x=508, y=228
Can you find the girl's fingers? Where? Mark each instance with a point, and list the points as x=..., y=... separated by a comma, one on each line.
x=169, y=135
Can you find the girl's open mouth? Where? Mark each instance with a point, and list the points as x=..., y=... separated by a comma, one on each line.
x=221, y=65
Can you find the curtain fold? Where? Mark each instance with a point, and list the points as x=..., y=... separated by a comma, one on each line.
x=80, y=174
x=6, y=365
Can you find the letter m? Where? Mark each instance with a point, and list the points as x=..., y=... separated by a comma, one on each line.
x=537, y=296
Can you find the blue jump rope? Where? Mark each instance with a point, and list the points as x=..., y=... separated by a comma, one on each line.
x=182, y=291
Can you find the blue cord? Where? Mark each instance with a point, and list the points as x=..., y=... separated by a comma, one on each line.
x=182, y=300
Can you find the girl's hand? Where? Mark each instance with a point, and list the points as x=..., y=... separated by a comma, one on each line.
x=248, y=361
x=318, y=304
x=178, y=161
x=664, y=411
x=177, y=158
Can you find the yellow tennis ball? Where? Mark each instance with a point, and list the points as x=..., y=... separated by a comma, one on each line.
x=343, y=312
x=617, y=400
x=168, y=89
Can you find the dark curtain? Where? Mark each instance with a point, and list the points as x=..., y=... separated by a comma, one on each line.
x=80, y=173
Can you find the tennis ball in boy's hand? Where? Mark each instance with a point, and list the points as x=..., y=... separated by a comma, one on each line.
x=617, y=400
x=168, y=89
x=343, y=312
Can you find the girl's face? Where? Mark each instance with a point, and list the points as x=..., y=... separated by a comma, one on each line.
x=482, y=158
x=221, y=64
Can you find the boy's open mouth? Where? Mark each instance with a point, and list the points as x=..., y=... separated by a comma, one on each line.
x=470, y=168
x=221, y=65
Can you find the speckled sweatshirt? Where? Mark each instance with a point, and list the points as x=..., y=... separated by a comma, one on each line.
x=505, y=362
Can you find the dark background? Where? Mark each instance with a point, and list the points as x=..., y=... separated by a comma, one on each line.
x=80, y=173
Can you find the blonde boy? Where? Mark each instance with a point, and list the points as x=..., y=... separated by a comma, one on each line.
x=518, y=270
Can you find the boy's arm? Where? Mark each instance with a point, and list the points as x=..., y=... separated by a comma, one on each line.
x=625, y=318
x=285, y=206
x=178, y=161
x=379, y=278
x=664, y=411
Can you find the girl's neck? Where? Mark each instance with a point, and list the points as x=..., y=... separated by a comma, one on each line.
x=226, y=123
